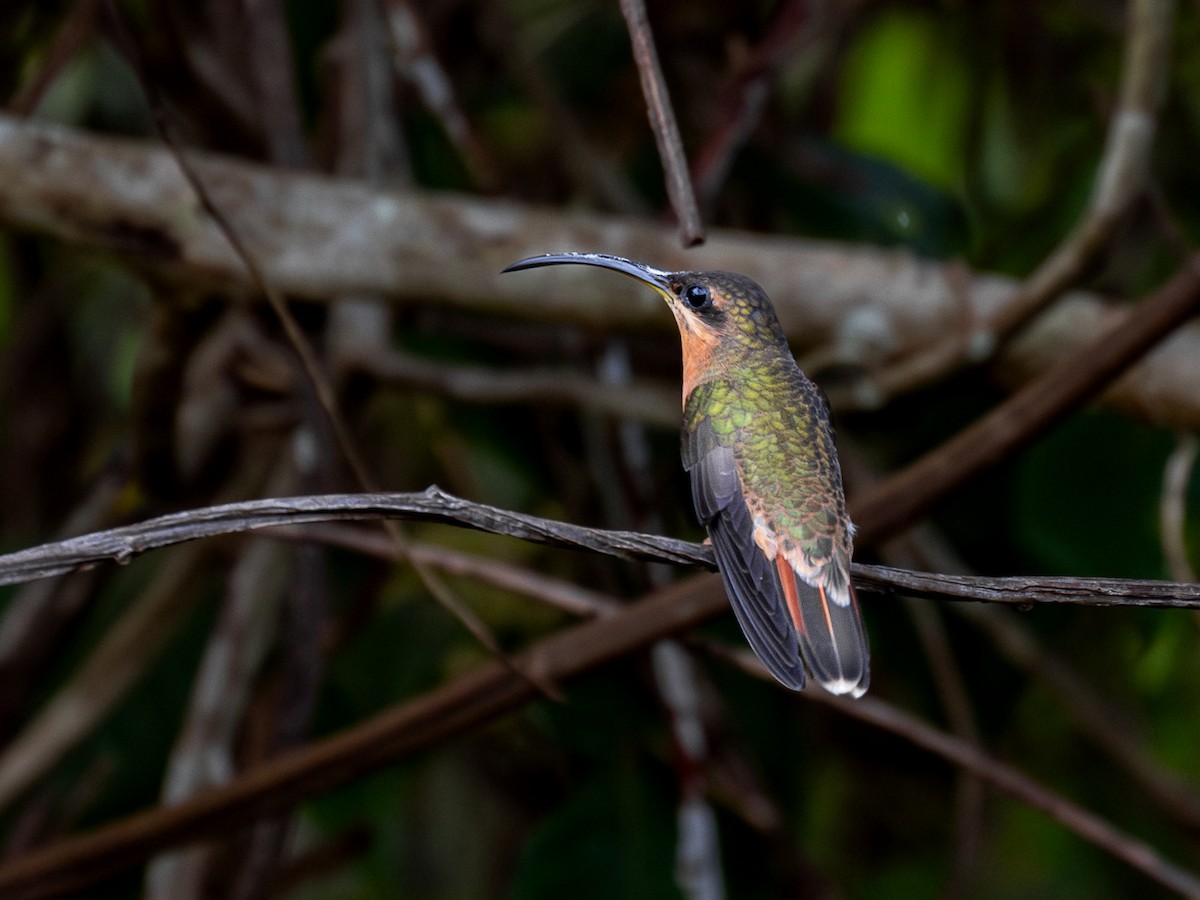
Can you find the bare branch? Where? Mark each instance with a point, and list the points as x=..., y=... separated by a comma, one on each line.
x=662, y=121
x=122, y=544
x=318, y=238
x=1020, y=590
x=1120, y=178
x=1172, y=507
x=1080, y=376
x=473, y=698
x=998, y=774
x=435, y=505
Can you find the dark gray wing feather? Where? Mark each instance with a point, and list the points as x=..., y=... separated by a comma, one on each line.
x=751, y=579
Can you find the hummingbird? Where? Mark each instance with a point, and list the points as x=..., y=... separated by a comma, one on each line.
x=758, y=446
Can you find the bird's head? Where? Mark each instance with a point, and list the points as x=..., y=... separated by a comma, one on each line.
x=721, y=316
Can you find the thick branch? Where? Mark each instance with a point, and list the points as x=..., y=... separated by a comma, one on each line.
x=1119, y=180
x=476, y=697
x=906, y=495
x=473, y=698
x=318, y=238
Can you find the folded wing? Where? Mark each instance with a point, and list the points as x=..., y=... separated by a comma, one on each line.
x=786, y=615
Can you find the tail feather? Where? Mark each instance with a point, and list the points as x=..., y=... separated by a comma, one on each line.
x=833, y=642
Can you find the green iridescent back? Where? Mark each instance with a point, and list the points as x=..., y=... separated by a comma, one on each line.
x=775, y=419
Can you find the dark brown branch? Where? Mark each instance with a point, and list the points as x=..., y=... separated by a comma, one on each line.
x=999, y=774
x=1017, y=784
x=662, y=121
x=910, y=493
x=476, y=697
x=1120, y=179
x=435, y=505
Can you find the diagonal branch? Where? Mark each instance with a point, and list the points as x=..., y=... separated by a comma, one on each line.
x=999, y=774
x=908, y=494
x=463, y=703
x=662, y=121
x=478, y=696
x=1120, y=180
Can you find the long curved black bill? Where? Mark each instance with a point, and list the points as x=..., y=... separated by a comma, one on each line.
x=656, y=278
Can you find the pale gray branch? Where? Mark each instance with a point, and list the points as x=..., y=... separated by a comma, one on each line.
x=319, y=238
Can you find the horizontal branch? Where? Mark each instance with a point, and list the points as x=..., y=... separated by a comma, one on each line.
x=435, y=505
x=317, y=238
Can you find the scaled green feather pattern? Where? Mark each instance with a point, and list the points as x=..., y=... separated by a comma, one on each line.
x=758, y=446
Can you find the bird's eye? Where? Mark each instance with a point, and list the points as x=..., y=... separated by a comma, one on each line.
x=696, y=296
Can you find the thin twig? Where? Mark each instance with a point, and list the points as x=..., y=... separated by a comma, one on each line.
x=435, y=505
x=1172, y=508
x=643, y=401
x=662, y=122
x=313, y=369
